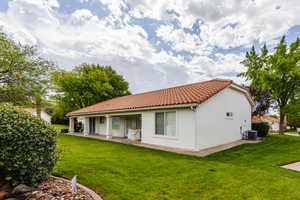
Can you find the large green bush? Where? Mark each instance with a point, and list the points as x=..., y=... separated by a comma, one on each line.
x=27, y=146
x=262, y=128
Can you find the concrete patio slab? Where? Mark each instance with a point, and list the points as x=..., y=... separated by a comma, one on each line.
x=293, y=166
x=203, y=152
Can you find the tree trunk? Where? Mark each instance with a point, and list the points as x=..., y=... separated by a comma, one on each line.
x=285, y=122
x=282, y=122
x=38, y=106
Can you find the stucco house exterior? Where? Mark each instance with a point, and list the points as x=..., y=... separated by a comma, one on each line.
x=45, y=116
x=193, y=117
x=272, y=121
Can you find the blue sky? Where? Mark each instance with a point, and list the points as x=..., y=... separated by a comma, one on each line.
x=153, y=44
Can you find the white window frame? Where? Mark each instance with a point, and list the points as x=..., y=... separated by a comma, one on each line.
x=229, y=117
x=176, y=128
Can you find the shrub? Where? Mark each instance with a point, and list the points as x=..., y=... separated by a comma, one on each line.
x=64, y=130
x=27, y=146
x=262, y=128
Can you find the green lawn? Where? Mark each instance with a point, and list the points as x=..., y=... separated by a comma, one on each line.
x=59, y=126
x=119, y=171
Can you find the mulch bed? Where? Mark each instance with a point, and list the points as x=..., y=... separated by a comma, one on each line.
x=52, y=189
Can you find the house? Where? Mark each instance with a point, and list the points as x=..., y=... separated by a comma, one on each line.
x=272, y=121
x=193, y=117
x=45, y=116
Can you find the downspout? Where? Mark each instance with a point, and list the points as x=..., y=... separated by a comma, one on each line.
x=194, y=109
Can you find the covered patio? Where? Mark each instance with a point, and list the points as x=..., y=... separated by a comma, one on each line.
x=126, y=126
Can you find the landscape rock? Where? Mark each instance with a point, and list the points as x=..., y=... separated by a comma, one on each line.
x=22, y=189
x=6, y=187
x=3, y=194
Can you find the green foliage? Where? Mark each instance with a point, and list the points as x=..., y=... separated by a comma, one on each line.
x=263, y=99
x=278, y=72
x=86, y=85
x=24, y=76
x=293, y=121
x=27, y=146
x=262, y=128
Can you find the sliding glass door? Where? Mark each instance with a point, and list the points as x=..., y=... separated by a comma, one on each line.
x=92, y=124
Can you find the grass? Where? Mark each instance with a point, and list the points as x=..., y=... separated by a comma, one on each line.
x=292, y=132
x=60, y=126
x=120, y=171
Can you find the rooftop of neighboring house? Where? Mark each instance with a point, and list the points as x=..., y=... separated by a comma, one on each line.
x=265, y=118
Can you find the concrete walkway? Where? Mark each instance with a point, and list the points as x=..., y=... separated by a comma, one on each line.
x=203, y=152
x=296, y=135
x=293, y=166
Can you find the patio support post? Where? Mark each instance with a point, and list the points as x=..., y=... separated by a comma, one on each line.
x=71, y=125
x=108, y=127
x=86, y=126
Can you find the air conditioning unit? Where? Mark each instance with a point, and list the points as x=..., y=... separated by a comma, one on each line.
x=251, y=135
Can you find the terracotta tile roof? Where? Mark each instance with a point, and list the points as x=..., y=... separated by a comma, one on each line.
x=265, y=118
x=186, y=94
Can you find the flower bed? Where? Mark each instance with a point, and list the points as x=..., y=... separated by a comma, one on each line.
x=52, y=189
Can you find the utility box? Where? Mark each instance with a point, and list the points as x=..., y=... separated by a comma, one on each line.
x=252, y=135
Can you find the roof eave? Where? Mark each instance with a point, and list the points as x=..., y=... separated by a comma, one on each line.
x=135, y=109
x=234, y=86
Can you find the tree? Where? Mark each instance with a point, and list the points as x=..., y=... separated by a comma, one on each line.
x=24, y=75
x=85, y=85
x=278, y=72
x=293, y=111
x=263, y=101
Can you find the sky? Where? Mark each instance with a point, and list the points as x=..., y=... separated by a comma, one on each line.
x=154, y=44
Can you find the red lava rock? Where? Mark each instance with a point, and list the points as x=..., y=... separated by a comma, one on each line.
x=3, y=194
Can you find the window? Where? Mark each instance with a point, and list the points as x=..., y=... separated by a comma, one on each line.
x=102, y=120
x=229, y=114
x=116, y=121
x=159, y=123
x=165, y=123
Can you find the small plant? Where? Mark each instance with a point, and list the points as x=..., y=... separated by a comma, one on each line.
x=27, y=146
x=262, y=128
x=64, y=130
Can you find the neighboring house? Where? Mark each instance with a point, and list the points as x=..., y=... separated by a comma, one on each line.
x=272, y=121
x=193, y=116
x=45, y=116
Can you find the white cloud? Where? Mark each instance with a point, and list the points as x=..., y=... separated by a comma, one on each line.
x=86, y=38
x=262, y=20
x=71, y=39
x=182, y=41
x=53, y=3
x=83, y=15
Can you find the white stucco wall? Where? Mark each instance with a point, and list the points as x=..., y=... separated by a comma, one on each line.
x=185, y=129
x=213, y=127
x=209, y=121
x=273, y=125
x=44, y=116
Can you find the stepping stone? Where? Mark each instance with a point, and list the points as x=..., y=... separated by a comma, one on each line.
x=293, y=166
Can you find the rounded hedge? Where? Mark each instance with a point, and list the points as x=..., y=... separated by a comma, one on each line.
x=27, y=146
x=262, y=128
